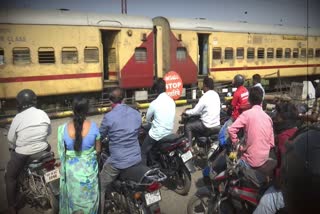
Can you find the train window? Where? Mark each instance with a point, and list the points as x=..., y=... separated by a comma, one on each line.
x=216, y=53
x=303, y=53
x=270, y=53
x=91, y=54
x=21, y=56
x=250, y=53
x=240, y=53
x=310, y=53
x=317, y=52
x=228, y=53
x=181, y=54
x=140, y=54
x=260, y=53
x=1, y=56
x=295, y=53
x=279, y=53
x=46, y=55
x=69, y=55
x=287, y=53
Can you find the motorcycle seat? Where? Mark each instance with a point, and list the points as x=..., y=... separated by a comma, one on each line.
x=212, y=131
x=134, y=173
x=170, y=138
x=41, y=157
x=259, y=175
x=169, y=141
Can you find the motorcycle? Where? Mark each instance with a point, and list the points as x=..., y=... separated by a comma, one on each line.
x=233, y=190
x=38, y=183
x=136, y=190
x=204, y=144
x=173, y=156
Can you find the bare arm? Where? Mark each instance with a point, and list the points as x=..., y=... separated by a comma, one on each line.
x=98, y=146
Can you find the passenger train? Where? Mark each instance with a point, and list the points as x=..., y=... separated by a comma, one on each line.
x=63, y=53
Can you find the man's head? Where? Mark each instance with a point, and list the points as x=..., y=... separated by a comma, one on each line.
x=116, y=95
x=26, y=98
x=286, y=111
x=159, y=86
x=238, y=80
x=208, y=84
x=300, y=175
x=256, y=79
x=255, y=96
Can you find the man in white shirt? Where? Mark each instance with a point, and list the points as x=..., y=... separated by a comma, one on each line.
x=208, y=108
x=256, y=81
x=28, y=136
x=162, y=110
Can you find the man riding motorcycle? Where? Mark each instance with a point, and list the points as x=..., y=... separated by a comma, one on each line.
x=160, y=114
x=258, y=131
x=28, y=134
x=123, y=145
x=208, y=108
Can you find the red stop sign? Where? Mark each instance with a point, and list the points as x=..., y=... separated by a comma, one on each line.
x=174, y=84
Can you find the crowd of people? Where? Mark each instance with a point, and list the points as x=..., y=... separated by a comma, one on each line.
x=83, y=187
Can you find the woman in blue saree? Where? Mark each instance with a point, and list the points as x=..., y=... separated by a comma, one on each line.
x=78, y=144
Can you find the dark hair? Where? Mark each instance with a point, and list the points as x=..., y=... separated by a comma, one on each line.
x=80, y=109
x=116, y=95
x=287, y=111
x=208, y=82
x=159, y=86
x=255, y=96
x=256, y=78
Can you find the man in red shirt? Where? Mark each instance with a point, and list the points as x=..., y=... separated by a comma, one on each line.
x=240, y=97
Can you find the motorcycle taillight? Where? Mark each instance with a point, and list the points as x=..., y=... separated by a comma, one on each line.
x=184, y=144
x=154, y=186
x=49, y=165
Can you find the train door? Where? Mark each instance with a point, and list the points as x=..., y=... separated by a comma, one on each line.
x=110, y=61
x=203, y=54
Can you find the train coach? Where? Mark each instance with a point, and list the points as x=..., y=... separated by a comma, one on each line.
x=223, y=50
x=61, y=53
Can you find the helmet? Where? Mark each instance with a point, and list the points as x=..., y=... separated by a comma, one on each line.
x=238, y=80
x=301, y=171
x=26, y=99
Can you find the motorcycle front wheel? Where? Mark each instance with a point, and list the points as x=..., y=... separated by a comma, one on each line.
x=199, y=203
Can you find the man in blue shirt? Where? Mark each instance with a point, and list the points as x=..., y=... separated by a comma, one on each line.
x=124, y=146
x=162, y=110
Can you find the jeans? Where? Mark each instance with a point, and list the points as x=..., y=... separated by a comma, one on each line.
x=14, y=168
x=107, y=175
x=195, y=126
x=147, y=145
x=271, y=202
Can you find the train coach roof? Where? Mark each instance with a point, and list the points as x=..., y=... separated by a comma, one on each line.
x=61, y=17
x=207, y=25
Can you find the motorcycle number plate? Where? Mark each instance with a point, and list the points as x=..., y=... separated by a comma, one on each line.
x=186, y=156
x=52, y=175
x=152, y=197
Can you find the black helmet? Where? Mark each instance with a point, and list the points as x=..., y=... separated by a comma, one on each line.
x=26, y=99
x=238, y=80
x=300, y=173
